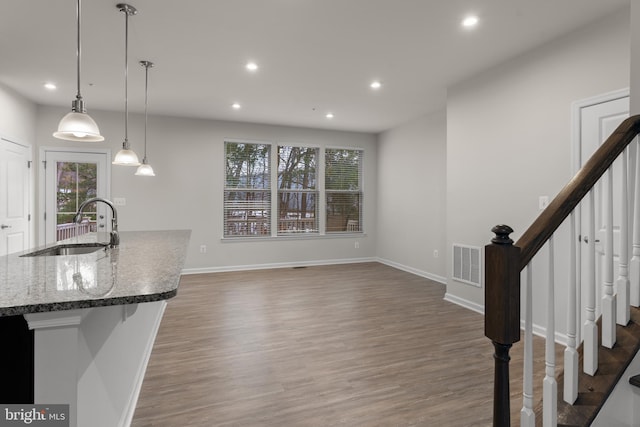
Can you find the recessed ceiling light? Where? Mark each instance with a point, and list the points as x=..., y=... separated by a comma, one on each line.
x=329, y=116
x=236, y=106
x=375, y=84
x=50, y=86
x=470, y=21
x=251, y=66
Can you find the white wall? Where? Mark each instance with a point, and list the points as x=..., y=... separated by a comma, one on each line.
x=187, y=156
x=411, y=196
x=635, y=58
x=531, y=92
x=509, y=132
x=18, y=118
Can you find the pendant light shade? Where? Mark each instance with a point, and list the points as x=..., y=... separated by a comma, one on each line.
x=78, y=125
x=145, y=168
x=126, y=156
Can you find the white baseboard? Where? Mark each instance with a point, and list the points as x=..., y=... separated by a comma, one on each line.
x=541, y=331
x=538, y=330
x=127, y=415
x=470, y=305
x=412, y=270
x=247, y=267
x=275, y=265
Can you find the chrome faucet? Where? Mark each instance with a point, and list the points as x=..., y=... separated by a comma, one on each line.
x=114, y=239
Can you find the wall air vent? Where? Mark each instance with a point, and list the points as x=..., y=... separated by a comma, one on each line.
x=467, y=264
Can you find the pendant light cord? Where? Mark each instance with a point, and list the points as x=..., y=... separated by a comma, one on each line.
x=78, y=50
x=77, y=125
x=146, y=102
x=145, y=169
x=126, y=156
x=126, y=76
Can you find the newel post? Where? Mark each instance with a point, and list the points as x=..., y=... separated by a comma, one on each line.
x=502, y=313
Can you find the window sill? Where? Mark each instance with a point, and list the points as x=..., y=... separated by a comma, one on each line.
x=293, y=237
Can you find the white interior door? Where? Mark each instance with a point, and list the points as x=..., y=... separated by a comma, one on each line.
x=71, y=177
x=15, y=197
x=597, y=123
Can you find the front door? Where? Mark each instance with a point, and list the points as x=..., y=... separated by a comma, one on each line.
x=15, y=197
x=72, y=177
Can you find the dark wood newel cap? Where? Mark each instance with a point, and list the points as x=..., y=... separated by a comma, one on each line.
x=502, y=235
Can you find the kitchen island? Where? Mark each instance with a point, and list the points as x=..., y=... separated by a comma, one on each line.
x=95, y=317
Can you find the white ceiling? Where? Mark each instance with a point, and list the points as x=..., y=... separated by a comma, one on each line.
x=315, y=56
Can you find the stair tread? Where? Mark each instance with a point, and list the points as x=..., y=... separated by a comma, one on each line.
x=593, y=391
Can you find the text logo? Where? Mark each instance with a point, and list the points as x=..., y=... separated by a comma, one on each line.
x=34, y=415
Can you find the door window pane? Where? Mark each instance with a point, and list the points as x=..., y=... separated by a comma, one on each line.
x=75, y=182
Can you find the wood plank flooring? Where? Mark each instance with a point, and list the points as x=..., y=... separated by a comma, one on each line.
x=345, y=345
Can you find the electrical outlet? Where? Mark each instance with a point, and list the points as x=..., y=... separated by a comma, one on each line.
x=357, y=245
x=119, y=201
x=203, y=249
x=436, y=254
x=543, y=202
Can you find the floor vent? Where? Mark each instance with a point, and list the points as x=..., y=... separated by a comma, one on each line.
x=467, y=267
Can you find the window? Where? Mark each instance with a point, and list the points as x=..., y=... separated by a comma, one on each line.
x=297, y=190
x=302, y=186
x=247, y=190
x=343, y=190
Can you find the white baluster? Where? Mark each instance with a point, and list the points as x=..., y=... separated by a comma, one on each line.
x=570, y=352
x=550, y=385
x=634, y=265
x=527, y=416
x=609, y=298
x=590, y=327
x=622, y=284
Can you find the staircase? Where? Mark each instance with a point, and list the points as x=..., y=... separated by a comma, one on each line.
x=599, y=344
x=593, y=391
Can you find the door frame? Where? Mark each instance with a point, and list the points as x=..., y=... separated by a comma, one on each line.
x=31, y=185
x=576, y=108
x=576, y=142
x=42, y=178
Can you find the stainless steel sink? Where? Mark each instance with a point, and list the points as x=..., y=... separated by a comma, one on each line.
x=68, y=249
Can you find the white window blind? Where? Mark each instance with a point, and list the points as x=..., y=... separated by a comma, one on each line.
x=247, y=191
x=343, y=190
x=297, y=190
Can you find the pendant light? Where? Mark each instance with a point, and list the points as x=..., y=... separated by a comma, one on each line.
x=78, y=125
x=126, y=156
x=145, y=168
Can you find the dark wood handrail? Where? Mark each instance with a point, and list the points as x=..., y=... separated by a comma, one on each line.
x=567, y=200
x=504, y=260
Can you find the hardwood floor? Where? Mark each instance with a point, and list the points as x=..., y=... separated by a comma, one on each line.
x=345, y=345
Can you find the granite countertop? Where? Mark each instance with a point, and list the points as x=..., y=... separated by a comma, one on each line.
x=145, y=267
